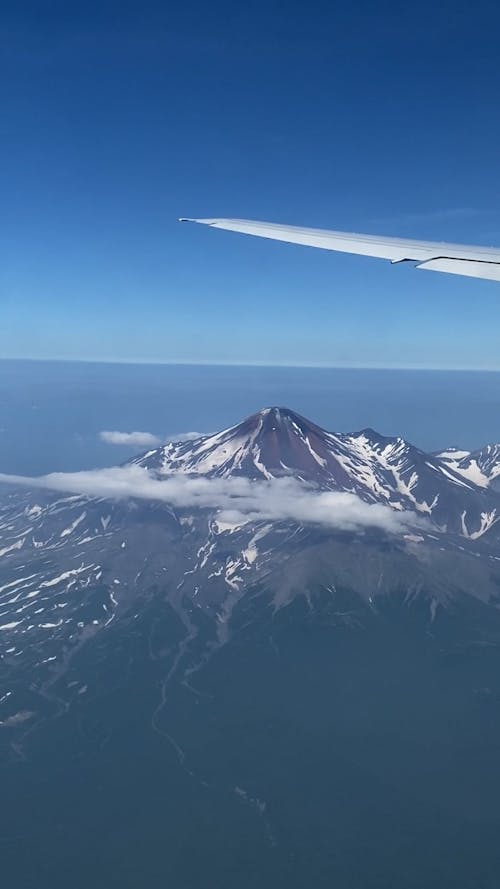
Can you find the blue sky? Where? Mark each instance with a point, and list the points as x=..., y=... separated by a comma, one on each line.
x=119, y=117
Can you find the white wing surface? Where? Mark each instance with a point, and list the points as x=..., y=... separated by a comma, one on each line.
x=456, y=259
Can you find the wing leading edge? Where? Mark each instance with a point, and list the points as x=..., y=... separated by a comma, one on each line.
x=456, y=259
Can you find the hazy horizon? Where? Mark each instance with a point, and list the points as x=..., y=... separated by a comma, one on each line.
x=261, y=364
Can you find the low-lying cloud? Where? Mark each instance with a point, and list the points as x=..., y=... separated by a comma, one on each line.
x=143, y=439
x=131, y=439
x=235, y=500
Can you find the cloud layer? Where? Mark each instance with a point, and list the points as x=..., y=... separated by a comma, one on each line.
x=132, y=439
x=143, y=439
x=235, y=500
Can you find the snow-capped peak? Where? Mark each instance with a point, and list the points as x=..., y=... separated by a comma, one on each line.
x=277, y=442
x=273, y=442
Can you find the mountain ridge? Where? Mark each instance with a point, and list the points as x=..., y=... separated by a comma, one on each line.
x=277, y=442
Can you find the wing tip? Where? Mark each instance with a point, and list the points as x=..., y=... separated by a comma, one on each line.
x=203, y=221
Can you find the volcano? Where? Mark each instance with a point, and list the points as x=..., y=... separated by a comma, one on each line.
x=267, y=695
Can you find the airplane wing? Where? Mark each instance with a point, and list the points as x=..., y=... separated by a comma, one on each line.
x=456, y=259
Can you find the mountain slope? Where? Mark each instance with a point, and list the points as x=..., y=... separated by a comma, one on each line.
x=71, y=565
x=253, y=700
x=482, y=467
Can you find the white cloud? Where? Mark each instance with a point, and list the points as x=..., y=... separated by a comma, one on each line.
x=236, y=500
x=133, y=439
x=143, y=439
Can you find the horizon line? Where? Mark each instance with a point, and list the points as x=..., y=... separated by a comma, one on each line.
x=256, y=364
